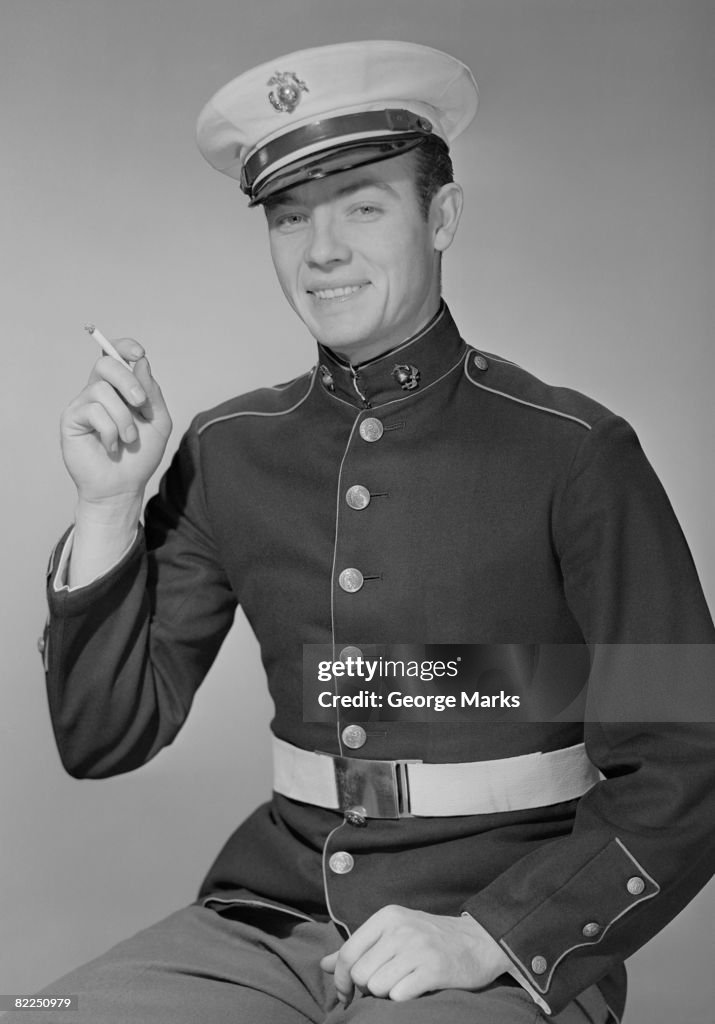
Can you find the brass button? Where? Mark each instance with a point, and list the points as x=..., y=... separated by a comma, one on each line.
x=356, y=816
x=350, y=580
x=481, y=362
x=635, y=885
x=41, y=644
x=350, y=652
x=357, y=496
x=341, y=862
x=371, y=429
x=590, y=929
x=539, y=965
x=354, y=736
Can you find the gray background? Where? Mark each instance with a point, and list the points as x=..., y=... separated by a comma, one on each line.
x=586, y=254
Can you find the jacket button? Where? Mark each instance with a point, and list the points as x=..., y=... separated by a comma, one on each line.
x=350, y=580
x=371, y=429
x=350, y=652
x=356, y=816
x=590, y=929
x=41, y=644
x=358, y=496
x=341, y=862
x=539, y=965
x=354, y=736
x=635, y=885
x=480, y=362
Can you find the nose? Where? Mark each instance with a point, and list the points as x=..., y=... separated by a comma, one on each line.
x=325, y=245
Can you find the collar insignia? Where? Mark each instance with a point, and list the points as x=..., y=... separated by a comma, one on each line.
x=407, y=376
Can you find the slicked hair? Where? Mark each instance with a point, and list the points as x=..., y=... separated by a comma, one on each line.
x=433, y=169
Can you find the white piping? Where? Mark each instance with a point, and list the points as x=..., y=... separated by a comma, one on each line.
x=257, y=903
x=522, y=401
x=333, y=918
x=249, y=412
x=579, y=945
x=332, y=571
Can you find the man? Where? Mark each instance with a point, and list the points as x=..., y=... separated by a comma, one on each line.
x=409, y=490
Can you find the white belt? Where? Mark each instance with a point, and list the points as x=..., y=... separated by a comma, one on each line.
x=400, y=789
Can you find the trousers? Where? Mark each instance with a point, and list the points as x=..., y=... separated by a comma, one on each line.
x=247, y=966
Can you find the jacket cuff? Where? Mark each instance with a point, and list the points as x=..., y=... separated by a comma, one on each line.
x=555, y=947
x=66, y=600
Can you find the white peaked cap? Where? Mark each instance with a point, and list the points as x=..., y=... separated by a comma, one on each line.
x=319, y=111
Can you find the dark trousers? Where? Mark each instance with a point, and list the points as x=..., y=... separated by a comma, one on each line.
x=256, y=967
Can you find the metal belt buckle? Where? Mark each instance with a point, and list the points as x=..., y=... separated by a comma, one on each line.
x=380, y=787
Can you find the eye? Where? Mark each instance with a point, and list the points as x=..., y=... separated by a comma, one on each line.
x=365, y=211
x=287, y=221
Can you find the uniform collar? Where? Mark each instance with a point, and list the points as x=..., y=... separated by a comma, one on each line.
x=399, y=373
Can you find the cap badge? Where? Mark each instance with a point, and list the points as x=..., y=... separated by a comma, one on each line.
x=286, y=94
x=407, y=376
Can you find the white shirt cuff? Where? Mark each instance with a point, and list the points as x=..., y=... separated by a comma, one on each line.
x=60, y=584
x=517, y=976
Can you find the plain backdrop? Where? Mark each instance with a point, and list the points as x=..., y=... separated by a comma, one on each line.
x=585, y=254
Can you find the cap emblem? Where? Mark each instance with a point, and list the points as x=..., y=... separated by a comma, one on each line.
x=286, y=94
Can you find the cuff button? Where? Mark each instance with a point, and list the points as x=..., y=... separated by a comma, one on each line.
x=591, y=929
x=539, y=965
x=635, y=885
x=41, y=644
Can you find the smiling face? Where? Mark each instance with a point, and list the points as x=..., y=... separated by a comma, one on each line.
x=357, y=259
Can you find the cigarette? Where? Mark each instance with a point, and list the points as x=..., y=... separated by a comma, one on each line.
x=105, y=344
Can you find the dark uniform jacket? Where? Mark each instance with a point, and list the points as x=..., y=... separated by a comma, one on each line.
x=501, y=511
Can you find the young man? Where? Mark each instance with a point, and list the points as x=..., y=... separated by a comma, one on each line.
x=409, y=490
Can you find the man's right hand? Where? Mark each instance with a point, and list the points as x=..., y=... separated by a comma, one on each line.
x=115, y=432
x=113, y=437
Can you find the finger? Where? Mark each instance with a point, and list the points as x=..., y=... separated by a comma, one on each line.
x=381, y=981
x=375, y=960
x=129, y=348
x=350, y=952
x=105, y=395
x=94, y=418
x=410, y=986
x=328, y=962
x=122, y=380
x=154, y=408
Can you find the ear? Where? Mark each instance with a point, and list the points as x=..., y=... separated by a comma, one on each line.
x=445, y=211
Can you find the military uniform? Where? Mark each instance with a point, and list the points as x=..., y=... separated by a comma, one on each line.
x=499, y=511
x=433, y=494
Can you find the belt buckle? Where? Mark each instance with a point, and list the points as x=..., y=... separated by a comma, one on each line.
x=380, y=787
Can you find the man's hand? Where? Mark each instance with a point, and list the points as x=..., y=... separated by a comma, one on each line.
x=115, y=432
x=113, y=437
x=401, y=954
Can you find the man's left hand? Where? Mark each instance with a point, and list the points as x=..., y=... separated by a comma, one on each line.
x=401, y=954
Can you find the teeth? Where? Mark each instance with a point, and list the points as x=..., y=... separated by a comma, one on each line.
x=336, y=293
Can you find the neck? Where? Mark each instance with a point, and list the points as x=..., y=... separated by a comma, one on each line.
x=361, y=353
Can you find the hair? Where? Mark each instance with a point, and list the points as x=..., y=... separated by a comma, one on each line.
x=433, y=169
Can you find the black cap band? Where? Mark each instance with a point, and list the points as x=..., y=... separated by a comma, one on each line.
x=383, y=126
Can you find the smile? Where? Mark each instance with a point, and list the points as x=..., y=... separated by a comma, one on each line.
x=337, y=293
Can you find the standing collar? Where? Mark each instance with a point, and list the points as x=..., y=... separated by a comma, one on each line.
x=403, y=371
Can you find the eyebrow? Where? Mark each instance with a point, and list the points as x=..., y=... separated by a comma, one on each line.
x=356, y=186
